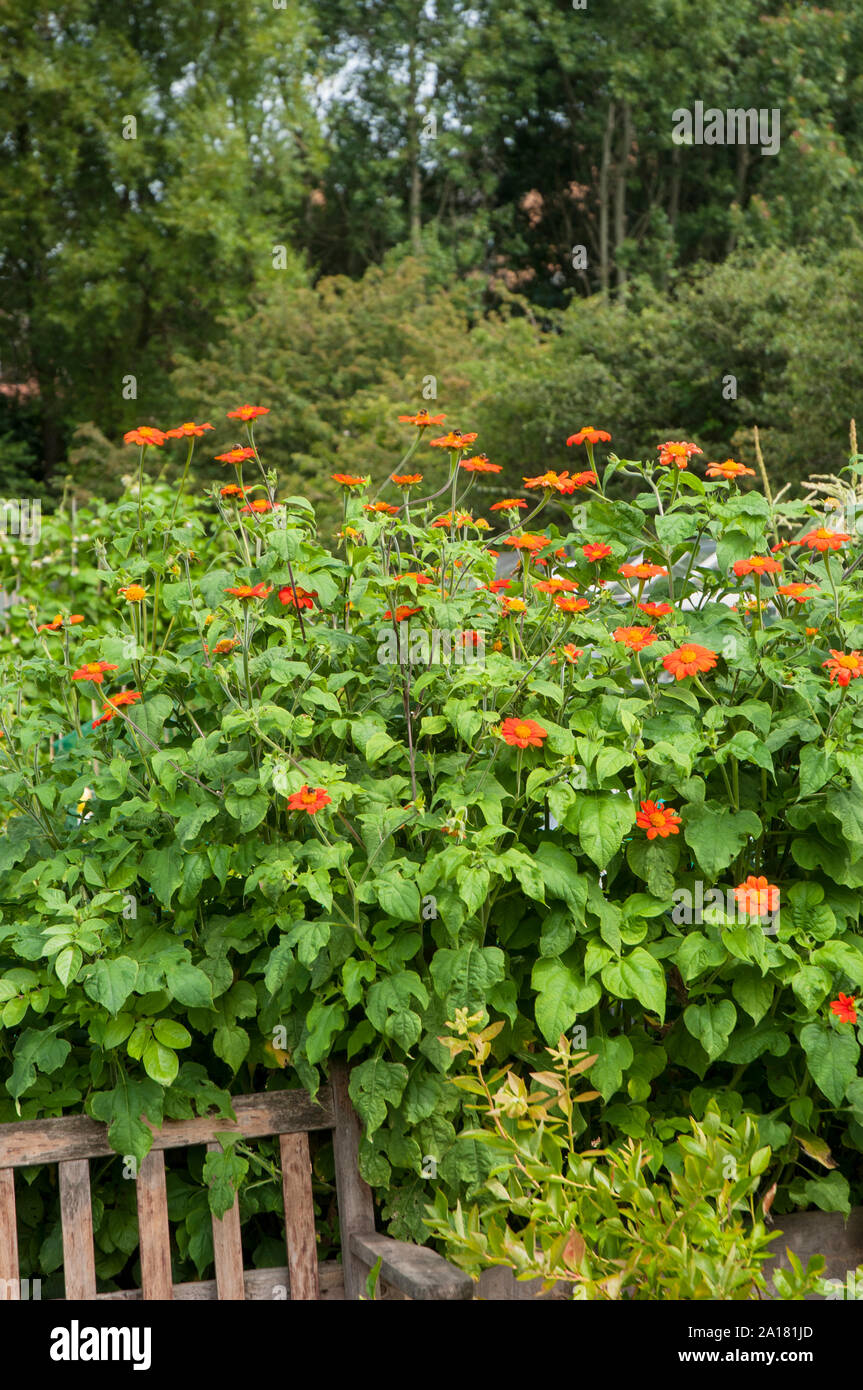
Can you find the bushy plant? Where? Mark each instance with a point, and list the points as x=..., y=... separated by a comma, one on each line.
x=271, y=795
x=598, y=1222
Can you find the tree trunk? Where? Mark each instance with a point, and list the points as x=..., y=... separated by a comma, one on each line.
x=620, y=193
x=413, y=155
x=604, y=170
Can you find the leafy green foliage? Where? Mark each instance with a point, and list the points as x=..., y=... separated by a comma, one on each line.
x=314, y=835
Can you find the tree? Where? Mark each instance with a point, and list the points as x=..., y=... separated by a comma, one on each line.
x=151, y=159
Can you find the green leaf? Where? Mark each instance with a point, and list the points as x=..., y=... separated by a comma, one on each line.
x=600, y=820
x=150, y=716
x=562, y=994
x=231, y=1043
x=163, y=869
x=717, y=834
x=831, y=1057
x=656, y=862
x=67, y=964
x=122, y=1110
x=816, y=768
x=698, y=953
x=399, y=897
x=463, y=977
x=110, y=982
x=190, y=986
x=560, y=874
x=613, y=1057
x=171, y=1033
x=847, y=807
x=36, y=1050
x=160, y=1063
x=712, y=1024
x=753, y=993
x=638, y=976
x=831, y=1193
x=374, y=1085
x=248, y=810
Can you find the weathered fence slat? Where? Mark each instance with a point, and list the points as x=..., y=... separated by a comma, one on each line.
x=228, y=1250
x=299, y=1216
x=76, y=1216
x=8, y=1233
x=356, y=1206
x=51, y=1141
x=153, y=1231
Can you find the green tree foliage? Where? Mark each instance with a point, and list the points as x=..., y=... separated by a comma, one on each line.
x=150, y=157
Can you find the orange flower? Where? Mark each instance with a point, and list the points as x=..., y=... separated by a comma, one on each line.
x=756, y=564
x=407, y=479
x=259, y=506
x=403, y=612
x=235, y=456
x=570, y=605
x=133, y=593
x=384, y=508
x=571, y=653
x=93, y=671
x=495, y=585
x=187, y=431
x=514, y=605
x=248, y=412
x=688, y=660
x=348, y=480
x=527, y=541
x=798, y=593
x=756, y=896
x=297, y=598
x=811, y=631
x=596, y=550
x=523, y=733
x=822, y=539
x=642, y=571
x=729, y=469
x=636, y=638
x=232, y=490
x=844, y=666
x=678, y=453
x=225, y=645
x=144, y=435
x=508, y=504
x=656, y=610
x=480, y=464
x=59, y=621
x=555, y=482
x=247, y=591
x=416, y=577
x=125, y=697
x=310, y=799
x=587, y=479
x=555, y=586
x=454, y=440
x=657, y=820
x=422, y=419
x=590, y=435
x=845, y=1008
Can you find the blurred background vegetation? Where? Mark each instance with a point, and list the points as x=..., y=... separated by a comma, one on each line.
x=332, y=207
